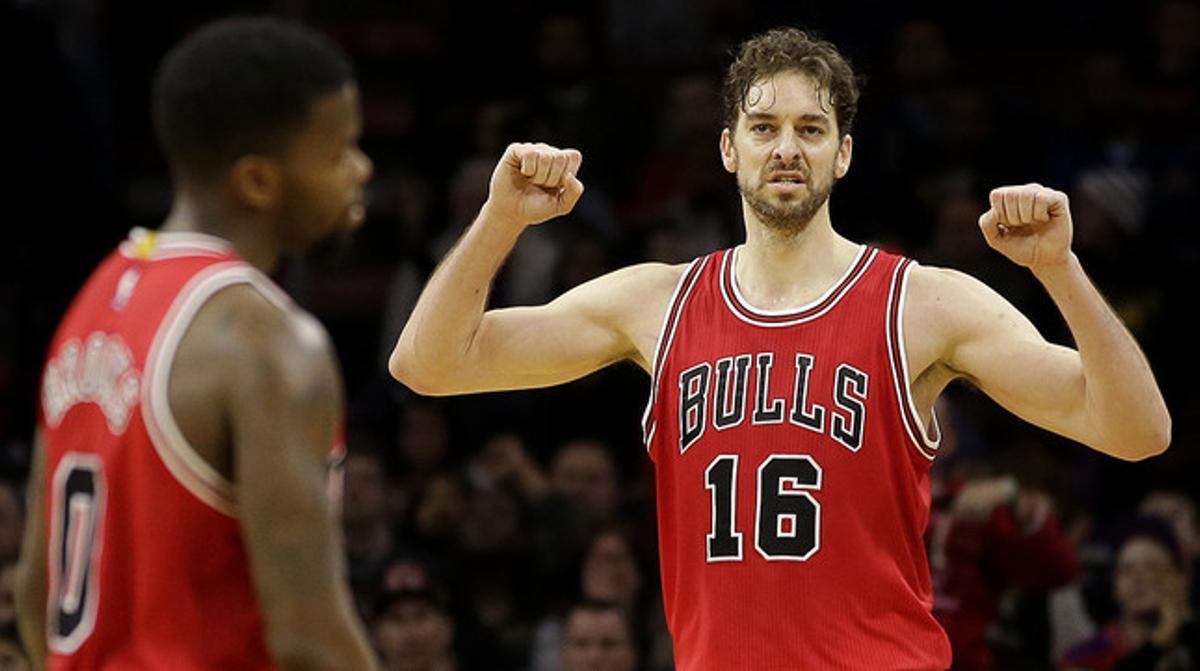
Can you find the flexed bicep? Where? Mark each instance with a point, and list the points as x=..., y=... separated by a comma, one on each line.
x=608, y=319
x=992, y=345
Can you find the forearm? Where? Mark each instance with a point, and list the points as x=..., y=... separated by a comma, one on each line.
x=450, y=309
x=1123, y=402
x=311, y=623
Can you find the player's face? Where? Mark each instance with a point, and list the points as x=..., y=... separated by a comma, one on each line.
x=597, y=641
x=786, y=151
x=325, y=173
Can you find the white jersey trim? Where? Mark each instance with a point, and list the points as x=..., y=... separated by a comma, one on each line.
x=155, y=246
x=666, y=334
x=180, y=458
x=925, y=444
x=731, y=293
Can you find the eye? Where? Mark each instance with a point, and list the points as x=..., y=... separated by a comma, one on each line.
x=813, y=130
x=761, y=128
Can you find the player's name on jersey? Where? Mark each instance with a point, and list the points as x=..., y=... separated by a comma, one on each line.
x=717, y=396
x=98, y=370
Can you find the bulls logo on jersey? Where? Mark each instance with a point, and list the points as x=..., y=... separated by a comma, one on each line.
x=717, y=396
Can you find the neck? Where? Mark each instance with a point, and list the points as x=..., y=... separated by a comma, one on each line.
x=249, y=236
x=781, y=269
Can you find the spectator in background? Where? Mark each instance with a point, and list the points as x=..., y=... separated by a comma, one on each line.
x=8, y=609
x=438, y=513
x=11, y=522
x=12, y=655
x=1179, y=511
x=995, y=538
x=611, y=572
x=366, y=523
x=583, y=472
x=581, y=492
x=598, y=636
x=1155, y=627
x=413, y=629
x=424, y=440
x=988, y=539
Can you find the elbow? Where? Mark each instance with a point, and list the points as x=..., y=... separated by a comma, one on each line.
x=1150, y=444
x=405, y=368
x=1159, y=438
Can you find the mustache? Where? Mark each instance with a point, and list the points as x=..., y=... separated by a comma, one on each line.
x=787, y=167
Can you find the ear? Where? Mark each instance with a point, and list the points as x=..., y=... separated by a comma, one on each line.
x=728, y=153
x=844, y=154
x=256, y=181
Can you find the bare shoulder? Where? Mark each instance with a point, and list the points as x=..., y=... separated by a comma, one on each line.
x=954, y=302
x=263, y=342
x=643, y=279
x=633, y=301
x=947, y=309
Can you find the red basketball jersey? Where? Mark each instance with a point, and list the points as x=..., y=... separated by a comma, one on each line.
x=792, y=478
x=147, y=567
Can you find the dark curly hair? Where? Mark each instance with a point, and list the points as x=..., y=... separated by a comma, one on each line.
x=786, y=49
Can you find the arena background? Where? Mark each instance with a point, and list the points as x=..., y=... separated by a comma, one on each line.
x=1100, y=100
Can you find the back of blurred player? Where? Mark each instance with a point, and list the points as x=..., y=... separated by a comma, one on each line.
x=180, y=508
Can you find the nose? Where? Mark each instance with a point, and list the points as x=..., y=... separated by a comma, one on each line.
x=787, y=148
x=366, y=167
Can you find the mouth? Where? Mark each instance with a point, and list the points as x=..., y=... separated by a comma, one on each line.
x=786, y=177
x=357, y=211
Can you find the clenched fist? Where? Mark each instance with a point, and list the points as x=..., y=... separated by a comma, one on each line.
x=535, y=182
x=1030, y=224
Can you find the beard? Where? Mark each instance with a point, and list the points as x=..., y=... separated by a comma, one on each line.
x=790, y=216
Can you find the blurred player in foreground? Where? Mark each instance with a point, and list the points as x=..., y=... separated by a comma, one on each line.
x=180, y=501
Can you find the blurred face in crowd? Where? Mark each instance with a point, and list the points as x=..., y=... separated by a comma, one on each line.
x=11, y=657
x=1180, y=512
x=597, y=640
x=583, y=471
x=423, y=436
x=413, y=635
x=1146, y=577
x=441, y=507
x=610, y=571
x=365, y=497
x=10, y=523
x=786, y=151
x=492, y=522
x=8, y=609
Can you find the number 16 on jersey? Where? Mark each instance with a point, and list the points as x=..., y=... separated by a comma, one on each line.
x=787, y=518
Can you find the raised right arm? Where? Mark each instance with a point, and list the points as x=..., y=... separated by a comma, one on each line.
x=450, y=345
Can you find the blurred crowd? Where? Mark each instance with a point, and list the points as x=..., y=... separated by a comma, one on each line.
x=517, y=531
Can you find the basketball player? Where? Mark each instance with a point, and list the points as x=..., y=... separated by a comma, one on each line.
x=181, y=518
x=792, y=377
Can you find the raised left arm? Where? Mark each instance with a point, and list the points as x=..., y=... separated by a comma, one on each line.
x=1102, y=394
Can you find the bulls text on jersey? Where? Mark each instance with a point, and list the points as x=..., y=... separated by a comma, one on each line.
x=724, y=388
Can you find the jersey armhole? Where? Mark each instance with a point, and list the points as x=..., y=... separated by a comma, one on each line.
x=666, y=335
x=188, y=468
x=925, y=441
